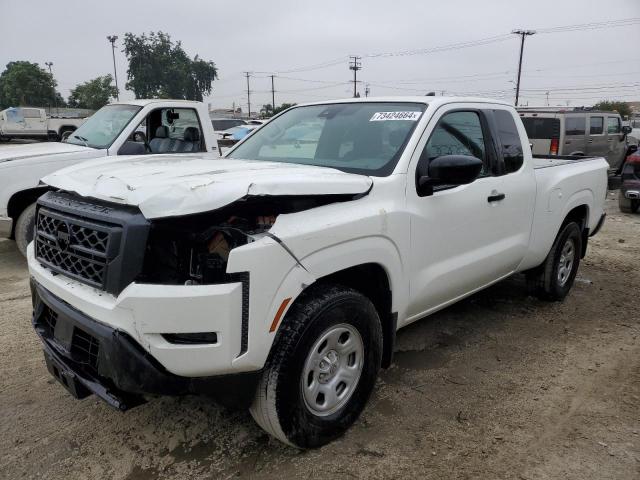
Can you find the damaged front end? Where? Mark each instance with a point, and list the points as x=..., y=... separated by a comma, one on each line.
x=194, y=249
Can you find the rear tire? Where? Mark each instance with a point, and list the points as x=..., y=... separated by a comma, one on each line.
x=25, y=227
x=317, y=336
x=554, y=278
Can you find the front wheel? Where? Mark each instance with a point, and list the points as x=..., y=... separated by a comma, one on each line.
x=554, y=278
x=322, y=369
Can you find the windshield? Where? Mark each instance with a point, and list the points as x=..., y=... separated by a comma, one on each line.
x=366, y=138
x=103, y=127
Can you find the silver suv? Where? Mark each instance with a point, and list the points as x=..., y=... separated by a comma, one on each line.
x=577, y=131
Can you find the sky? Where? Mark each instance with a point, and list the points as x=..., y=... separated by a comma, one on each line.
x=306, y=45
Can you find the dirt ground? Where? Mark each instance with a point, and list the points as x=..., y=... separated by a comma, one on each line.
x=499, y=386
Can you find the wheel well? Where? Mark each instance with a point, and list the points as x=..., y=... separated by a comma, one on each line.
x=372, y=281
x=21, y=200
x=580, y=215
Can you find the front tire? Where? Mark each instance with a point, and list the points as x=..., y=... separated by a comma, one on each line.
x=322, y=369
x=554, y=278
x=25, y=227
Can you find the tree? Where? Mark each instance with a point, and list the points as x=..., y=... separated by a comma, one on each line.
x=267, y=110
x=26, y=84
x=622, y=108
x=93, y=94
x=160, y=68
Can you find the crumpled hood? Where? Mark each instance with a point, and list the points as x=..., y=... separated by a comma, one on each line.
x=41, y=149
x=169, y=185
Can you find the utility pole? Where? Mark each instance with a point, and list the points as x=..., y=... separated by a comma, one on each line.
x=248, y=74
x=355, y=64
x=112, y=39
x=547, y=98
x=55, y=97
x=366, y=90
x=523, y=34
x=273, y=96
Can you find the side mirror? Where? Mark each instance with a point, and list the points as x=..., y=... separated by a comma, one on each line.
x=626, y=130
x=446, y=170
x=131, y=148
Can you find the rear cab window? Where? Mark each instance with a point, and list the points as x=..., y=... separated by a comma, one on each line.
x=509, y=141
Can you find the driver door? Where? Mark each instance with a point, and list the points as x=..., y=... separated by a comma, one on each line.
x=458, y=233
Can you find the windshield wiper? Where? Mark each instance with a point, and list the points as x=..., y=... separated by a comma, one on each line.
x=82, y=139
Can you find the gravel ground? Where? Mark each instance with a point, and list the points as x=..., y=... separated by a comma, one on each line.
x=500, y=385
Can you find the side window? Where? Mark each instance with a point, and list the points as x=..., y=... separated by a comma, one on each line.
x=613, y=125
x=177, y=120
x=458, y=133
x=596, y=125
x=510, y=143
x=574, y=125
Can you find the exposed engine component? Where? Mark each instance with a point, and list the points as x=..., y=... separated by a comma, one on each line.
x=194, y=250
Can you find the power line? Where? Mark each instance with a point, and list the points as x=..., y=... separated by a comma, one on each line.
x=355, y=64
x=591, y=26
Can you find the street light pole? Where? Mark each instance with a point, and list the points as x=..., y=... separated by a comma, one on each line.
x=523, y=34
x=112, y=39
x=55, y=97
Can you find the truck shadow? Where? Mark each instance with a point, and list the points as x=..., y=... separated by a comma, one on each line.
x=233, y=445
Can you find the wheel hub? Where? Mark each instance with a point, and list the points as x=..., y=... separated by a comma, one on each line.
x=565, y=263
x=332, y=369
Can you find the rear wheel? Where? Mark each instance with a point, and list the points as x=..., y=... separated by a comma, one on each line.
x=25, y=227
x=64, y=134
x=323, y=367
x=554, y=278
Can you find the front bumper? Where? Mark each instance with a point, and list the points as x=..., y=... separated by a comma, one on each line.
x=87, y=357
x=6, y=227
x=147, y=312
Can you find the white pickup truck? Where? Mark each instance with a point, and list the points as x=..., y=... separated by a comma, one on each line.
x=134, y=127
x=276, y=277
x=34, y=124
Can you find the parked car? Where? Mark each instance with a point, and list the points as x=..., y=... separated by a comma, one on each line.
x=221, y=124
x=629, y=197
x=276, y=278
x=577, y=132
x=34, y=124
x=174, y=126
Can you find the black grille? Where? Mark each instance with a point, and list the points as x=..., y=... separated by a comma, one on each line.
x=85, y=348
x=49, y=320
x=74, y=246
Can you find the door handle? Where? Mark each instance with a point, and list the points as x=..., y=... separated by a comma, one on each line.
x=609, y=139
x=590, y=140
x=495, y=197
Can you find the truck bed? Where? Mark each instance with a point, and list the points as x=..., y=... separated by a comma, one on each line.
x=545, y=161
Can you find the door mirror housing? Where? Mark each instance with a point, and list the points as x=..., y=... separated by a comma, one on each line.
x=451, y=170
x=626, y=130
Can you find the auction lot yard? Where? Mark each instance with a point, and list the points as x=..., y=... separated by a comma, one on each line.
x=500, y=385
